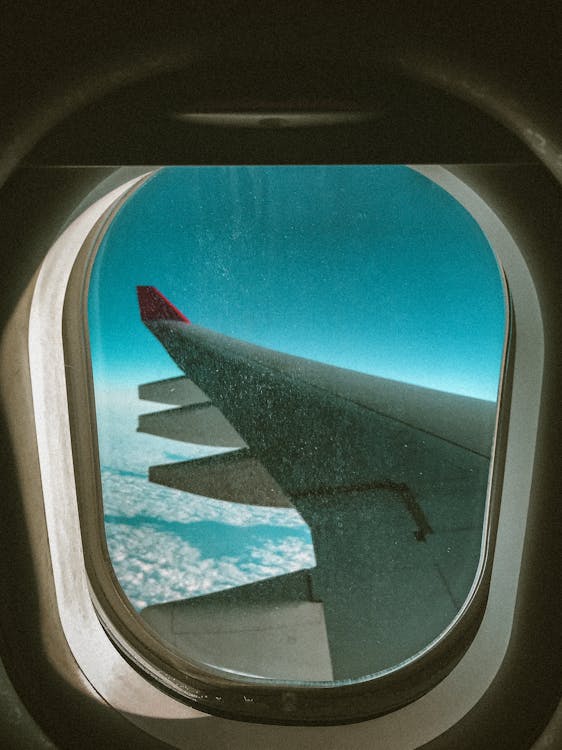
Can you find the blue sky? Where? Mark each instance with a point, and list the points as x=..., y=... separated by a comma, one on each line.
x=374, y=268
x=371, y=268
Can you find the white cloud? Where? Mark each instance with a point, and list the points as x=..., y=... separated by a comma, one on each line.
x=147, y=525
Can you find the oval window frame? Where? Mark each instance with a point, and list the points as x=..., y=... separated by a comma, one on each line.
x=348, y=703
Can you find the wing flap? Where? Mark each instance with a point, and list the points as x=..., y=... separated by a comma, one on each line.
x=271, y=628
x=179, y=391
x=203, y=424
x=285, y=641
x=236, y=476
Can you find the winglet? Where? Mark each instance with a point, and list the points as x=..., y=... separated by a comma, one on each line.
x=154, y=306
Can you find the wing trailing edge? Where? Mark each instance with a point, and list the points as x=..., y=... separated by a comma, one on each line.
x=235, y=476
x=202, y=424
x=179, y=391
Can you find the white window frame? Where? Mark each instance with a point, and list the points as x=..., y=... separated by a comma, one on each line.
x=173, y=721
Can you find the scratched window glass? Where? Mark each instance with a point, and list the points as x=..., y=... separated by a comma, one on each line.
x=296, y=373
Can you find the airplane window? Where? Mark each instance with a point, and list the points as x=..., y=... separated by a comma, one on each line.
x=296, y=374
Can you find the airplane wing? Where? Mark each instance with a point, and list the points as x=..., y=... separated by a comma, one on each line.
x=375, y=467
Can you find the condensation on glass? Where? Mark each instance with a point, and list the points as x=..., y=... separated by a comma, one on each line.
x=296, y=373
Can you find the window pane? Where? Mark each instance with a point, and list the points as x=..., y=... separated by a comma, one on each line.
x=298, y=489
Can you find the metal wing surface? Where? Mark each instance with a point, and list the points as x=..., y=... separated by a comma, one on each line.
x=375, y=467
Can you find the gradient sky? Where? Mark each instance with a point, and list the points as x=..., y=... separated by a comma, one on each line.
x=374, y=268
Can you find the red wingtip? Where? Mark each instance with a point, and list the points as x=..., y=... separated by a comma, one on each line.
x=154, y=306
